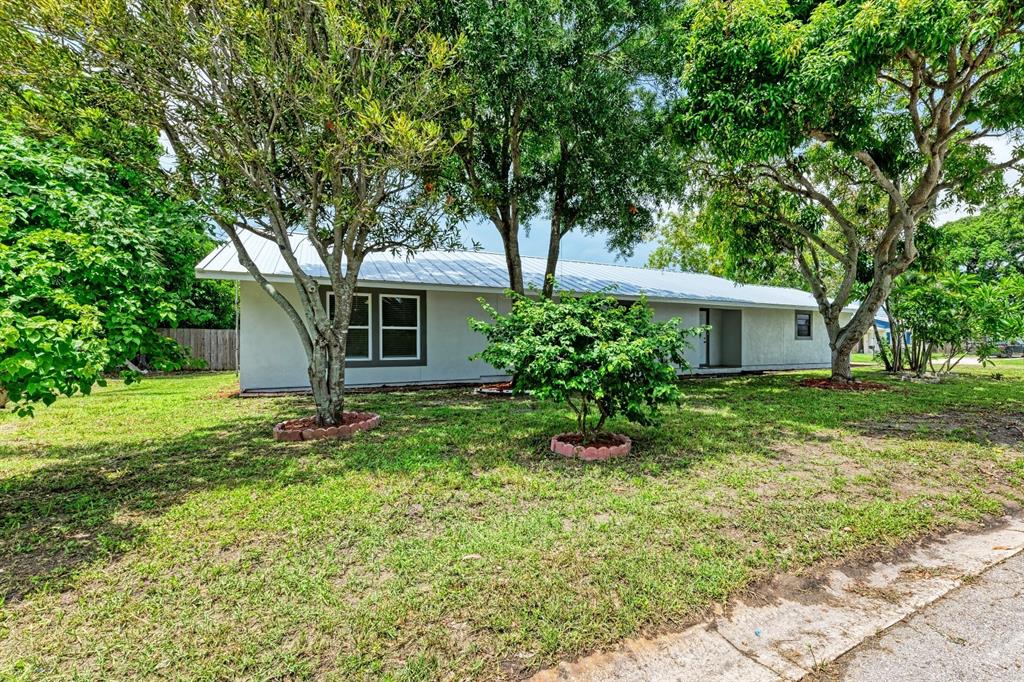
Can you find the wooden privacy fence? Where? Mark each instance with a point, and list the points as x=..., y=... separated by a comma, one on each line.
x=218, y=348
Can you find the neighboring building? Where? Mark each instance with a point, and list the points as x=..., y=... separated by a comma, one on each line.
x=410, y=325
x=869, y=342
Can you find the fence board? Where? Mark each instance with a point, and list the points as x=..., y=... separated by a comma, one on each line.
x=218, y=348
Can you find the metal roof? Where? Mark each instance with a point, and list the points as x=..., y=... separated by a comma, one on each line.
x=476, y=270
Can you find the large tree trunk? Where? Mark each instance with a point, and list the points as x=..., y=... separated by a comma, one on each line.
x=327, y=378
x=841, y=369
x=508, y=227
x=327, y=361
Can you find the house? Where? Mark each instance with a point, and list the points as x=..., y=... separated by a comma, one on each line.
x=409, y=322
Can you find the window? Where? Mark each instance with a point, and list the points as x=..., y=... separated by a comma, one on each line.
x=358, y=346
x=399, y=327
x=803, y=325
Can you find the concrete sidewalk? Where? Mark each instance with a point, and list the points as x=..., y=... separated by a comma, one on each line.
x=798, y=626
x=975, y=633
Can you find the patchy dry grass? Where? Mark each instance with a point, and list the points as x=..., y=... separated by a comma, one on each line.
x=157, y=530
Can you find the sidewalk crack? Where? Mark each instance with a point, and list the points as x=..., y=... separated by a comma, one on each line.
x=751, y=657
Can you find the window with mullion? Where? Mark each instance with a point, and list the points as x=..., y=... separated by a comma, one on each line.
x=359, y=337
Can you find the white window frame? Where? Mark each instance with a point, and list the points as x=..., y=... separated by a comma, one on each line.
x=331, y=303
x=418, y=328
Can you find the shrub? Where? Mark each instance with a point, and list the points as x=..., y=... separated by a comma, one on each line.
x=601, y=357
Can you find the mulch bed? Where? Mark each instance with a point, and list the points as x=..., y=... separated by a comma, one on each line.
x=503, y=388
x=603, y=440
x=844, y=385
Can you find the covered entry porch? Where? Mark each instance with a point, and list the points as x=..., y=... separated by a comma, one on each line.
x=722, y=345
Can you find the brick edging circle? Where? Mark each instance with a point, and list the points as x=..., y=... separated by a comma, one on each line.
x=590, y=453
x=367, y=421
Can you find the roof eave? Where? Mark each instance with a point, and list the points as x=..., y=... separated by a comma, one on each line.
x=690, y=300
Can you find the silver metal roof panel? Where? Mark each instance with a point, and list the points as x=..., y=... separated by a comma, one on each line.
x=477, y=270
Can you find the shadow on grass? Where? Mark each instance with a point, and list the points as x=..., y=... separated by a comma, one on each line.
x=92, y=502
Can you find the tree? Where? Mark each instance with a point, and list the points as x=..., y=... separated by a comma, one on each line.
x=955, y=313
x=297, y=120
x=47, y=90
x=608, y=164
x=600, y=357
x=962, y=294
x=86, y=272
x=991, y=244
x=832, y=130
x=688, y=243
x=566, y=120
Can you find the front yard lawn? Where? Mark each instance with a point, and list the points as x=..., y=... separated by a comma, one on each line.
x=157, y=530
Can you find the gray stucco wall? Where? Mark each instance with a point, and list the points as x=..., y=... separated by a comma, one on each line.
x=271, y=356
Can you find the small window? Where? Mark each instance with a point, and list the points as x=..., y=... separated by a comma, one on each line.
x=803, y=325
x=399, y=327
x=358, y=345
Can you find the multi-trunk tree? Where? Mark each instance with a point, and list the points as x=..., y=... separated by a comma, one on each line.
x=833, y=130
x=295, y=121
x=567, y=123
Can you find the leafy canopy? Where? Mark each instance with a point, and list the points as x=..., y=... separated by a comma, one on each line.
x=568, y=119
x=49, y=92
x=831, y=131
x=295, y=120
x=956, y=312
x=990, y=244
x=600, y=356
x=87, y=271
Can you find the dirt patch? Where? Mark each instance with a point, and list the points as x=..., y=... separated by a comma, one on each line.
x=831, y=385
x=1000, y=428
x=226, y=393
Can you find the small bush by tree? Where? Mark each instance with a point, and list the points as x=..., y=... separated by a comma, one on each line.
x=600, y=357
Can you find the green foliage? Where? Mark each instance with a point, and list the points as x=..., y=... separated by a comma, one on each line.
x=956, y=312
x=831, y=131
x=694, y=243
x=48, y=91
x=990, y=244
x=601, y=357
x=568, y=118
x=320, y=121
x=87, y=271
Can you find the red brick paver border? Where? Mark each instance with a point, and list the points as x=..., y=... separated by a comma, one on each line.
x=364, y=422
x=590, y=453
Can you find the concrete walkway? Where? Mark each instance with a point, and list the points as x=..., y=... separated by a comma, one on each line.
x=974, y=633
x=798, y=626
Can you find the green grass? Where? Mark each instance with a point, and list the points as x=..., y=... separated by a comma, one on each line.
x=156, y=530
x=864, y=358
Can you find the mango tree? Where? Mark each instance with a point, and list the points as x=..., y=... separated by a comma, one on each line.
x=832, y=131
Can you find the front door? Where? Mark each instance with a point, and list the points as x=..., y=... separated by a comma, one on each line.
x=703, y=320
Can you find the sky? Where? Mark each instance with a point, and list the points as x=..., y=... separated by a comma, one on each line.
x=575, y=246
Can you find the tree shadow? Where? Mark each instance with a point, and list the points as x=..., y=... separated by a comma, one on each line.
x=92, y=502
